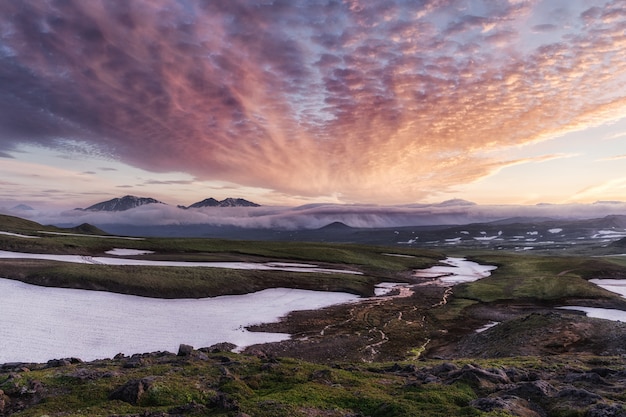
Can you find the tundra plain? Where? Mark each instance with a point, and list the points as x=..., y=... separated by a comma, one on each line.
x=497, y=346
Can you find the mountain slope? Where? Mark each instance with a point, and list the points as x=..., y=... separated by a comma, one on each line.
x=227, y=202
x=121, y=204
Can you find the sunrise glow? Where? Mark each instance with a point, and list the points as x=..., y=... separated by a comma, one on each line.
x=287, y=103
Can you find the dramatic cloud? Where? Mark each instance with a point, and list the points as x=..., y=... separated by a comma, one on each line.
x=363, y=101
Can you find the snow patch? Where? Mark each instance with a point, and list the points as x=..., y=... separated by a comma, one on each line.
x=97, y=260
x=18, y=235
x=127, y=252
x=41, y=323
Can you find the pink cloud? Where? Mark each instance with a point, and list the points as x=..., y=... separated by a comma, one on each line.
x=361, y=100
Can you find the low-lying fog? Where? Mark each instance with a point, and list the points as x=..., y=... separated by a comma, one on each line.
x=319, y=215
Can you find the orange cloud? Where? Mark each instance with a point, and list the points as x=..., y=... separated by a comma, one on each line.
x=365, y=101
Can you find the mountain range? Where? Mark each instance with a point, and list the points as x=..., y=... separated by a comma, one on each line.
x=130, y=201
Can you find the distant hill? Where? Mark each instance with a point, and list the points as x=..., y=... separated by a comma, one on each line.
x=15, y=224
x=22, y=207
x=121, y=204
x=87, y=229
x=228, y=202
x=19, y=225
x=455, y=202
x=336, y=226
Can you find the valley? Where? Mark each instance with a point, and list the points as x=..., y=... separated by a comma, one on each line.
x=426, y=334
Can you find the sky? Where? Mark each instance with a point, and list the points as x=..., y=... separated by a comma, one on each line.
x=305, y=101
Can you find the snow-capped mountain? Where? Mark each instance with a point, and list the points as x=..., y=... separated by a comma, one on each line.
x=130, y=201
x=228, y=202
x=121, y=204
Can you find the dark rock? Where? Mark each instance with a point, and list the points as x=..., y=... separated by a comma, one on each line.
x=58, y=363
x=480, y=378
x=589, y=377
x=604, y=372
x=135, y=361
x=224, y=402
x=444, y=368
x=11, y=365
x=132, y=391
x=535, y=391
x=578, y=396
x=185, y=350
x=268, y=366
x=606, y=410
x=395, y=368
x=514, y=405
x=88, y=374
x=220, y=347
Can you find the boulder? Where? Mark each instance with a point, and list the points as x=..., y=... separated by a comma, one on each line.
x=185, y=350
x=535, y=391
x=132, y=391
x=220, y=347
x=511, y=404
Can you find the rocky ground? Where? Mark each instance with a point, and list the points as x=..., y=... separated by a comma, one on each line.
x=212, y=381
x=539, y=361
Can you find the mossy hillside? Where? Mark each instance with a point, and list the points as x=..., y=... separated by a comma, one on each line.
x=529, y=282
x=276, y=387
x=175, y=282
x=227, y=384
x=540, y=278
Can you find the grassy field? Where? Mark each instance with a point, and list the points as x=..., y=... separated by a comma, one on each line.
x=175, y=282
x=228, y=384
x=538, y=280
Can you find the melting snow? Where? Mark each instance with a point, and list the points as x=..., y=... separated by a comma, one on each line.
x=127, y=252
x=600, y=313
x=18, y=235
x=459, y=270
x=617, y=286
x=41, y=323
x=487, y=326
x=484, y=238
x=140, y=262
x=556, y=230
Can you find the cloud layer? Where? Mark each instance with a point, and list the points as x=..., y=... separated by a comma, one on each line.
x=364, y=101
x=319, y=215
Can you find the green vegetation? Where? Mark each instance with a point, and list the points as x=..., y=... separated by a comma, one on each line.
x=174, y=282
x=224, y=384
x=228, y=384
x=546, y=280
x=271, y=381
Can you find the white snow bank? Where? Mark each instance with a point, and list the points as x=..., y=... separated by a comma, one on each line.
x=459, y=270
x=41, y=323
x=127, y=252
x=19, y=235
x=600, y=313
x=98, y=260
x=617, y=286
